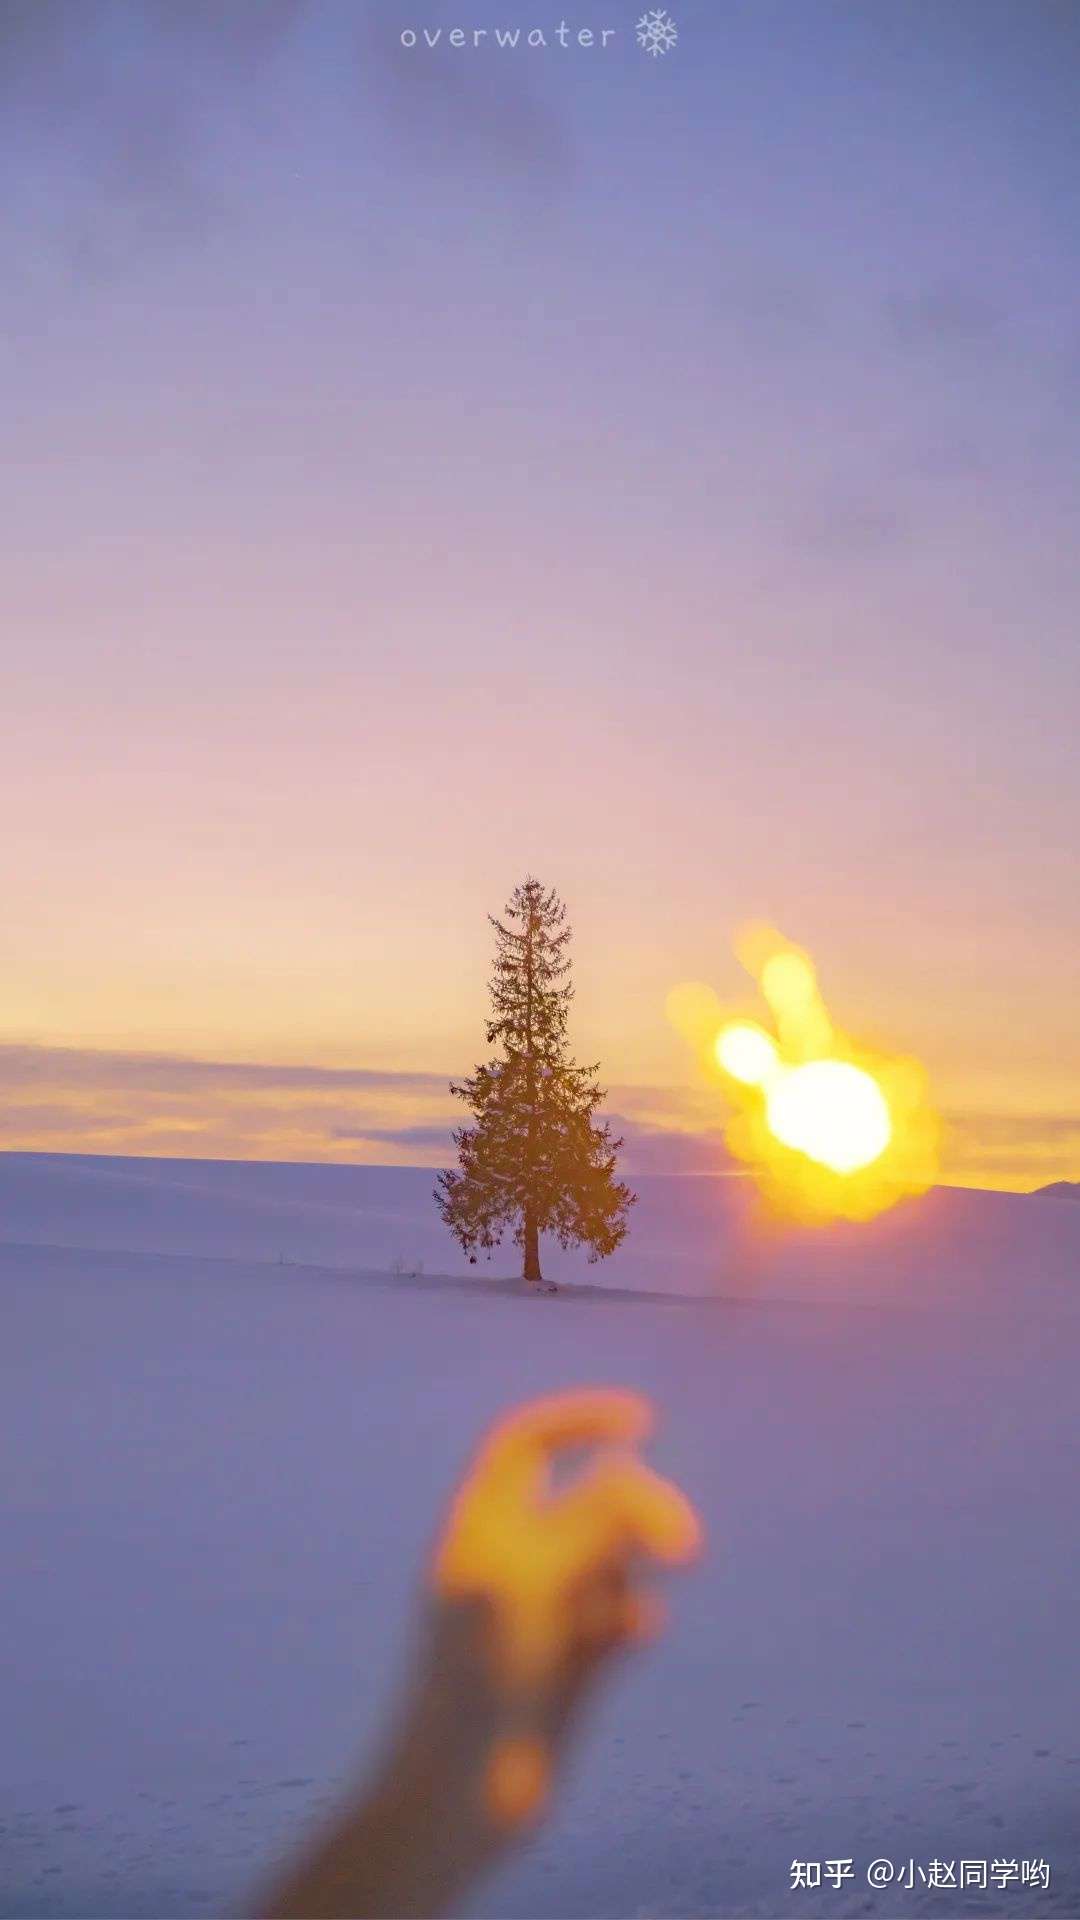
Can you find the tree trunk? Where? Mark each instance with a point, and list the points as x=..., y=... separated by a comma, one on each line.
x=531, y=1270
x=531, y=1236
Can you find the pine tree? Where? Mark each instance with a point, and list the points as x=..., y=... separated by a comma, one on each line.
x=535, y=1156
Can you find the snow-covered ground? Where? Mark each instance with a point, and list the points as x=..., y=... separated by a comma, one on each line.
x=220, y=1473
x=688, y=1234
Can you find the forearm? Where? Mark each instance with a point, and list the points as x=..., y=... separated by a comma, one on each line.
x=398, y=1851
x=421, y=1831
x=408, y=1847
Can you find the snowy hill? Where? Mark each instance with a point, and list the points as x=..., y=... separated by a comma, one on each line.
x=689, y=1234
x=221, y=1475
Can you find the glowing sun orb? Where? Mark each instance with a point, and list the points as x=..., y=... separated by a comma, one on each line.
x=830, y=1127
x=832, y=1112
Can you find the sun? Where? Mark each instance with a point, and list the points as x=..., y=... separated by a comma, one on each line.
x=831, y=1128
x=831, y=1111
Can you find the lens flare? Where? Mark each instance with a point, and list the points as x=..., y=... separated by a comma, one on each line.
x=747, y=1053
x=831, y=1129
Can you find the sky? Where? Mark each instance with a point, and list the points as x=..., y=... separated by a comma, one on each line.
x=430, y=463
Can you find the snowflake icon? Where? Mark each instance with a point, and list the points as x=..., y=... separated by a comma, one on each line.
x=656, y=31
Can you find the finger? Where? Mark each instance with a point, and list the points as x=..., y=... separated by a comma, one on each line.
x=517, y=1453
x=609, y=1622
x=659, y=1518
x=607, y=1626
x=510, y=1470
x=578, y=1418
x=609, y=1612
x=621, y=1508
x=599, y=1609
x=644, y=1618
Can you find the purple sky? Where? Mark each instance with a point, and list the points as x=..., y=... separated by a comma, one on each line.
x=426, y=465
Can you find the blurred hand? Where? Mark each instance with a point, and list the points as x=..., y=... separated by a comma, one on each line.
x=534, y=1584
x=538, y=1581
